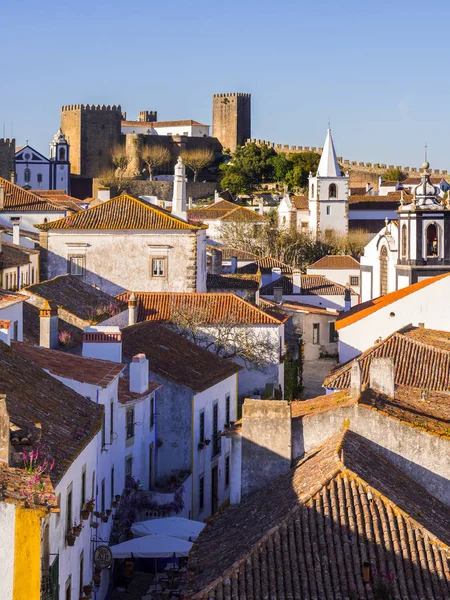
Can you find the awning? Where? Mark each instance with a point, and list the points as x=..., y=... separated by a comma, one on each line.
x=178, y=527
x=152, y=546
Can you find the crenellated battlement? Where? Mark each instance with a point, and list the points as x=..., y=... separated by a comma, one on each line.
x=92, y=107
x=8, y=142
x=232, y=95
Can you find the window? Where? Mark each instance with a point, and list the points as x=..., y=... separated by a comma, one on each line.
x=62, y=154
x=328, y=210
x=103, y=499
x=112, y=485
x=32, y=274
x=215, y=431
x=94, y=493
x=227, y=470
x=83, y=486
x=76, y=265
x=227, y=409
x=69, y=509
x=16, y=330
x=354, y=280
x=404, y=241
x=383, y=271
x=39, y=177
x=103, y=431
x=432, y=241
x=150, y=466
x=332, y=332
x=130, y=423
x=201, y=493
x=68, y=590
x=158, y=267
x=128, y=466
x=152, y=412
x=316, y=333
x=312, y=190
x=332, y=191
x=27, y=175
x=81, y=573
x=111, y=421
x=202, y=428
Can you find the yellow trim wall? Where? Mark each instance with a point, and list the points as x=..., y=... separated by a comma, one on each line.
x=27, y=554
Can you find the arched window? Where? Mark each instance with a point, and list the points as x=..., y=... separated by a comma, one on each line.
x=404, y=241
x=39, y=177
x=432, y=240
x=27, y=175
x=383, y=271
x=62, y=154
x=312, y=190
x=332, y=191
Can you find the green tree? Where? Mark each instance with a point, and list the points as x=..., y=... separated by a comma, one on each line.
x=281, y=167
x=235, y=183
x=302, y=164
x=394, y=175
x=253, y=163
x=120, y=161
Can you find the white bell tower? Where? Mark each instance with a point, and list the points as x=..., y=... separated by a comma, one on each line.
x=60, y=162
x=328, y=195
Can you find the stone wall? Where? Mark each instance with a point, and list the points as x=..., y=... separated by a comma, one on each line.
x=7, y=157
x=231, y=119
x=164, y=189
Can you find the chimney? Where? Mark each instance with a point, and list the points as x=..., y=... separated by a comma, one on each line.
x=5, y=332
x=355, y=380
x=103, y=194
x=278, y=294
x=13, y=177
x=103, y=342
x=217, y=197
x=296, y=281
x=2, y=197
x=48, y=325
x=216, y=261
x=139, y=374
x=233, y=264
x=179, y=191
x=190, y=202
x=276, y=273
x=15, y=221
x=132, y=309
x=347, y=298
x=382, y=376
x=261, y=206
x=5, y=451
x=266, y=443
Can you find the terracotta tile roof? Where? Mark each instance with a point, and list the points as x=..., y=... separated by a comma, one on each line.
x=421, y=360
x=75, y=296
x=338, y=261
x=153, y=124
x=29, y=234
x=71, y=366
x=265, y=265
x=7, y=298
x=300, y=202
x=308, y=308
x=128, y=397
x=122, y=212
x=357, y=191
x=12, y=255
x=225, y=211
x=16, y=198
x=367, y=308
x=60, y=197
x=314, y=406
x=175, y=358
x=307, y=534
x=225, y=205
x=14, y=480
x=374, y=202
x=57, y=419
x=158, y=306
x=232, y=282
x=31, y=326
x=228, y=253
x=312, y=285
x=242, y=214
x=436, y=179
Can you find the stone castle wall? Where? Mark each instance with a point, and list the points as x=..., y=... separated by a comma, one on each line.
x=7, y=156
x=164, y=189
x=231, y=123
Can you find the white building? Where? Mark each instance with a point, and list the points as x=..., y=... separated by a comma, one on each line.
x=11, y=316
x=340, y=268
x=127, y=244
x=19, y=266
x=35, y=172
x=293, y=213
x=186, y=128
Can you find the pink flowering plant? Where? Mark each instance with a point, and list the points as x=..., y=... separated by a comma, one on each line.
x=65, y=338
x=38, y=467
x=104, y=311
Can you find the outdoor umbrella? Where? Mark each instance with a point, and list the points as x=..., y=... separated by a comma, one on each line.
x=152, y=546
x=178, y=527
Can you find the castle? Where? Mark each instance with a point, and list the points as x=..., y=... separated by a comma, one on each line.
x=7, y=152
x=231, y=119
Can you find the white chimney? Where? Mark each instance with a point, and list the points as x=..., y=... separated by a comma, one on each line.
x=104, y=342
x=276, y=273
x=382, y=376
x=179, y=191
x=15, y=221
x=48, y=325
x=355, y=380
x=2, y=197
x=103, y=194
x=132, y=309
x=233, y=264
x=139, y=374
x=190, y=202
x=296, y=281
x=261, y=206
x=217, y=197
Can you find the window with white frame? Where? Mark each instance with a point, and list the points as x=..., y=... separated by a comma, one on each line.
x=76, y=265
x=354, y=280
x=158, y=267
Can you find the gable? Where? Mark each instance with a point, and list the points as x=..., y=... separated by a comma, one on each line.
x=29, y=154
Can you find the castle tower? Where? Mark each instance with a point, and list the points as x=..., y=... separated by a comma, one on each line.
x=328, y=195
x=148, y=116
x=59, y=162
x=231, y=123
x=423, y=233
x=7, y=157
x=93, y=132
x=179, y=191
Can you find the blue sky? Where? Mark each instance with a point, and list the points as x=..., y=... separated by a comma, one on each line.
x=380, y=70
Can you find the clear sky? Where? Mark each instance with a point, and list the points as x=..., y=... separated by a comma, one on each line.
x=380, y=70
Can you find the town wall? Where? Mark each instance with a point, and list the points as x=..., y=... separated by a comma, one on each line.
x=163, y=189
x=7, y=157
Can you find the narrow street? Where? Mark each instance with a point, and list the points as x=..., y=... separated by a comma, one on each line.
x=314, y=372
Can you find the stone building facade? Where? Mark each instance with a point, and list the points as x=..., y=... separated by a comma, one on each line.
x=7, y=151
x=231, y=119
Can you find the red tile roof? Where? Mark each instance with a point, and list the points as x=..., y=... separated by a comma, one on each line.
x=308, y=308
x=122, y=212
x=153, y=124
x=71, y=366
x=7, y=298
x=227, y=212
x=228, y=253
x=338, y=261
x=367, y=308
x=300, y=202
x=16, y=198
x=128, y=397
x=232, y=282
x=307, y=534
x=265, y=265
x=176, y=358
x=12, y=255
x=159, y=306
x=421, y=360
x=311, y=285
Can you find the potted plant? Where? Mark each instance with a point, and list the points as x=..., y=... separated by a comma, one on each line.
x=207, y=442
x=90, y=504
x=95, y=524
x=70, y=537
x=77, y=528
x=108, y=511
x=97, y=514
x=159, y=443
x=117, y=497
x=105, y=518
x=87, y=589
x=85, y=513
x=201, y=445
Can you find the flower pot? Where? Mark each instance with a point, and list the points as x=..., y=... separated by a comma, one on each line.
x=85, y=514
x=207, y=442
x=114, y=504
x=117, y=497
x=95, y=525
x=105, y=518
x=108, y=511
x=97, y=514
x=87, y=589
x=70, y=539
x=77, y=531
x=90, y=506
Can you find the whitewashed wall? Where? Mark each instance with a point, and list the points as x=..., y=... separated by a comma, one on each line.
x=7, y=525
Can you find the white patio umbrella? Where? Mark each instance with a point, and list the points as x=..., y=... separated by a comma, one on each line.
x=152, y=546
x=178, y=527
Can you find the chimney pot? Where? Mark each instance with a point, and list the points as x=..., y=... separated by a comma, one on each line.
x=15, y=221
x=179, y=191
x=355, y=380
x=276, y=273
x=382, y=376
x=296, y=281
x=48, y=325
x=132, y=309
x=278, y=294
x=216, y=261
x=347, y=298
x=139, y=374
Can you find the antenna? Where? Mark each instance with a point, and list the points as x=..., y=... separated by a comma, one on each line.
x=426, y=153
x=329, y=122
